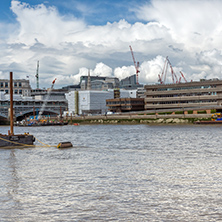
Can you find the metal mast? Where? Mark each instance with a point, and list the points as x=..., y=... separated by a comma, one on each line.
x=37, y=76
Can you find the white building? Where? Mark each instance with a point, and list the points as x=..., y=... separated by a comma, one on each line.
x=93, y=101
x=88, y=102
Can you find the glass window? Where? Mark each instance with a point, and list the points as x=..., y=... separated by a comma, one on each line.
x=6, y=84
x=15, y=84
x=20, y=84
x=2, y=84
x=6, y=91
x=16, y=91
x=20, y=91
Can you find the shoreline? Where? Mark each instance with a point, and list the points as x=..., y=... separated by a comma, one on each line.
x=136, y=119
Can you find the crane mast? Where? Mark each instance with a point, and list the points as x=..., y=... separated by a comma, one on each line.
x=135, y=64
x=162, y=77
x=37, y=76
x=183, y=77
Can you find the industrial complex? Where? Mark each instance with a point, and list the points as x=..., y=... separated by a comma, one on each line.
x=98, y=95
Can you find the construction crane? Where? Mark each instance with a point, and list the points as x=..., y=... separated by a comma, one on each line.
x=174, y=77
x=162, y=77
x=37, y=76
x=183, y=77
x=53, y=82
x=136, y=64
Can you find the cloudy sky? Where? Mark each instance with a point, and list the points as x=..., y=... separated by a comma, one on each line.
x=69, y=37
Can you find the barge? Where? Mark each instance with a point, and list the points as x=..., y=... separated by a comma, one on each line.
x=12, y=139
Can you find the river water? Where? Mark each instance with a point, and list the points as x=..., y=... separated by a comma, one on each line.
x=114, y=173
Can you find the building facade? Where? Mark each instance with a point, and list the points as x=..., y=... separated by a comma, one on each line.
x=88, y=102
x=20, y=86
x=205, y=94
x=125, y=104
x=129, y=83
x=99, y=82
x=53, y=103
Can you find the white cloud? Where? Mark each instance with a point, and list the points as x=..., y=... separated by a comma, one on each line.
x=43, y=24
x=102, y=70
x=123, y=72
x=196, y=23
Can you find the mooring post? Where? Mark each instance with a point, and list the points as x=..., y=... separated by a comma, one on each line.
x=11, y=105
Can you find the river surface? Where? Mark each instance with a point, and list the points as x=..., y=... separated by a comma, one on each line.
x=114, y=173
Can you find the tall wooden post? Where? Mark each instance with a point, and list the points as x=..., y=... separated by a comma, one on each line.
x=11, y=105
x=71, y=118
x=60, y=112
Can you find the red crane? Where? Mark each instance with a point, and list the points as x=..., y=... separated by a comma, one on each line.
x=53, y=82
x=135, y=64
x=162, y=77
x=183, y=77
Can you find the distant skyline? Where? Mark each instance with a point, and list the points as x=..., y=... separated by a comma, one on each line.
x=69, y=37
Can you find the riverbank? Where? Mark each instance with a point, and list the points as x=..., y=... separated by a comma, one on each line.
x=136, y=119
x=139, y=119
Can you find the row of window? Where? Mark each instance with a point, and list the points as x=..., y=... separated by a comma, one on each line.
x=7, y=103
x=124, y=102
x=6, y=84
x=184, y=88
x=16, y=91
x=179, y=102
x=187, y=94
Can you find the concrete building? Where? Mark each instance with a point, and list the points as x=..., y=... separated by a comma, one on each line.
x=20, y=86
x=99, y=82
x=123, y=93
x=129, y=83
x=203, y=95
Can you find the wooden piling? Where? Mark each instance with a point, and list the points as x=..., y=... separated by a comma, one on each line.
x=11, y=105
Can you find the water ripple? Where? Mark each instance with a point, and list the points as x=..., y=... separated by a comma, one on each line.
x=114, y=173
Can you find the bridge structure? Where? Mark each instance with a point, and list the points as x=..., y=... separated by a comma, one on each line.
x=23, y=109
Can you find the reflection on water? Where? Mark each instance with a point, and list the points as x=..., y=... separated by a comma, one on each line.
x=123, y=173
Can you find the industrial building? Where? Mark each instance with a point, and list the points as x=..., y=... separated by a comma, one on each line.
x=203, y=95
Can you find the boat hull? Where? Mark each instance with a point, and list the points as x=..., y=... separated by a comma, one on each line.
x=44, y=124
x=16, y=140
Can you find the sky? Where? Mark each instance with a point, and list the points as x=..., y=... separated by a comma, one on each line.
x=70, y=37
